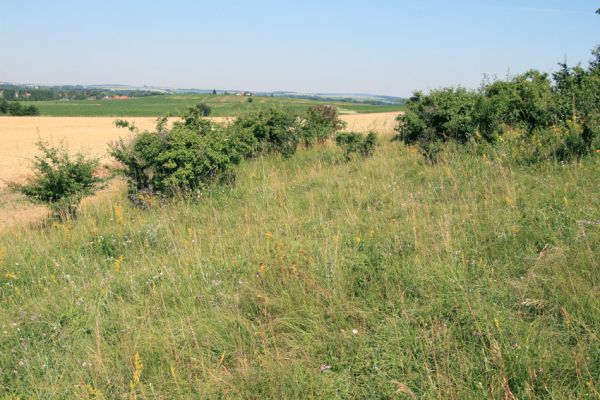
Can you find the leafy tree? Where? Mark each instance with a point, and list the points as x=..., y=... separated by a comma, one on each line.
x=3, y=106
x=60, y=181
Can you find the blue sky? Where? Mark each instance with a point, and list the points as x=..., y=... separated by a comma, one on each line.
x=376, y=46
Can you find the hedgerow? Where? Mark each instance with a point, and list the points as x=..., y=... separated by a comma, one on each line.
x=531, y=116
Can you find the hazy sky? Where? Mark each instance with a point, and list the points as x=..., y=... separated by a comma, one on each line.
x=375, y=46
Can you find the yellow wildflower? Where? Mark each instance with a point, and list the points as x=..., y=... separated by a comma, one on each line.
x=118, y=263
x=269, y=235
x=10, y=275
x=118, y=214
x=137, y=373
x=262, y=269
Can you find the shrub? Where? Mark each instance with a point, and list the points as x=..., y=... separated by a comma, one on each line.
x=554, y=119
x=274, y=131
x=320, y=123
x=445, y=114
x=356, y=143
x=194, y=154
x=60, y=181
x=17, y=109
x=203, y=109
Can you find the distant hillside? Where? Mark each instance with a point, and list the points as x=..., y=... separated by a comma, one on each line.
x=36, y=92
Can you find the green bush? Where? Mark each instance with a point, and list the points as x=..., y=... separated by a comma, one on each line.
x=320, y=123
x=60, y=181
x=555, y=118
x=274, y=131
x=16, y=109
x=203, y=109
x=356, y=143
x=188, y=158
x=445, y=114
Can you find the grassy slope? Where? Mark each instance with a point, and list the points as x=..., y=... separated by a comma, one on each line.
x=160, y=105
x=467, y=279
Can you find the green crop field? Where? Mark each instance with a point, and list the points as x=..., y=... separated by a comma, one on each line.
x=222, y=105
x=312, y=277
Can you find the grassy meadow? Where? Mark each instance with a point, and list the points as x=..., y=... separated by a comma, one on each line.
x=221, y=105
x=312, y=277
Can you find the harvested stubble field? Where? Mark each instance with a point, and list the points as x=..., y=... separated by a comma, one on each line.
x=91, y=135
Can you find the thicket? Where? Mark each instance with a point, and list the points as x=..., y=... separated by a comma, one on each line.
x=16, y=109
x=529, y=117
x=196, y=152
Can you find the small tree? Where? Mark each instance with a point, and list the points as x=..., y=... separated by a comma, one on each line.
x=60, y=181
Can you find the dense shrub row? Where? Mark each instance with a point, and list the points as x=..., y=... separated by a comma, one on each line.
x=17, y=109
x=532, y=116
x=188, y=157
x=197, y=152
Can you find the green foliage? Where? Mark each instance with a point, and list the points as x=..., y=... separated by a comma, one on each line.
x=274, y=131
x=541, y=118
x=16, y=109
x=191, y=156
x=356, y=143
x=443, y=115
x=320, y=123
x=203, y=109
x=60, y=181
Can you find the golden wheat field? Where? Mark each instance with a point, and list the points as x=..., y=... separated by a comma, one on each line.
x=91, y=136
